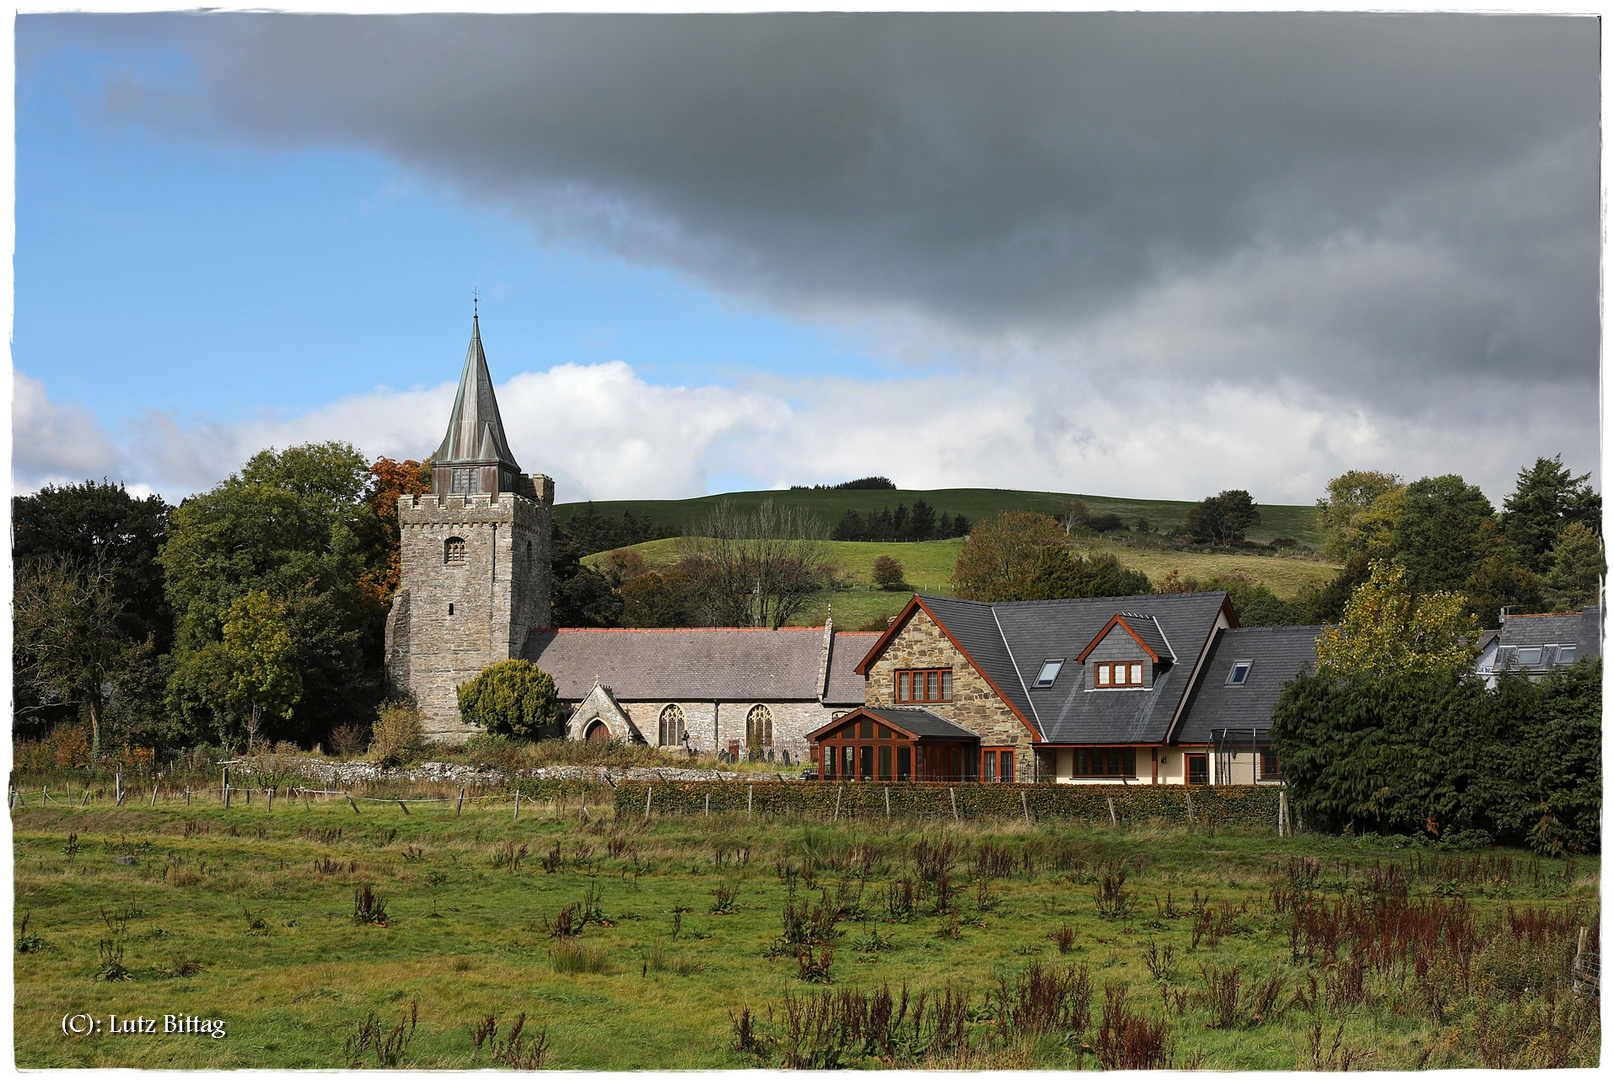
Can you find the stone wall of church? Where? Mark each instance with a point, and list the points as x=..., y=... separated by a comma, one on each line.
x=714, y=725
x=975, y=705
x=474, y=581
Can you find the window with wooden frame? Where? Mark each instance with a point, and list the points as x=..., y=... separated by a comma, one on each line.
x=925, y=685
x=1271, y=768
x=1104, y=761
x=1116, y=674
x=1198, y=768
x=454, y=551
x=997, y=765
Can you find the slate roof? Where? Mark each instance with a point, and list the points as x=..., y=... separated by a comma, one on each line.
x=846, y=651
x=922, y=723
x=475, y=430
x=1010, y=641
x=1582, y=629
x=702, y=664
x=1277, y=654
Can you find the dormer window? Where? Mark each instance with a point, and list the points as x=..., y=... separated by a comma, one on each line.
x=1240, y=672
x=1049, y=672
x=1118, y=674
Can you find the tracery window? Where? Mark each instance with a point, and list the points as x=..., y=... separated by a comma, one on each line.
x=672, y=727
x=454, y=551
x=759, y=727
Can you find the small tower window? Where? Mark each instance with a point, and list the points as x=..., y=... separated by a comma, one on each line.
x=463, y=482
x=451, y=609
x=672, y=726
x=529, y=552
x=454, y=551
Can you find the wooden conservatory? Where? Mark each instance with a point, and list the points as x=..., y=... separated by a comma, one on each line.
x=895, y=744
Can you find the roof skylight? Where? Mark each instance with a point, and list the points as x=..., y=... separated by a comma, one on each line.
x=1049, y=672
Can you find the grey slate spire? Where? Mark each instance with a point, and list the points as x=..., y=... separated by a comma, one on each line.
x=475, y=432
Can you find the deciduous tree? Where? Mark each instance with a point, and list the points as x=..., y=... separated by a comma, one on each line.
x=1387, y=628
x=1360, y=513
x=1223, y=518
x=262, y=657
x=1437, y=533
x=756, y=569
x=69, y=646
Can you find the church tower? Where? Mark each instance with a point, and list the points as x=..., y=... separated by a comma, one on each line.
x=474, y=558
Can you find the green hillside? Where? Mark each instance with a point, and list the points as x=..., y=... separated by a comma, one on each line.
x=929, y=569
x=1299, y=522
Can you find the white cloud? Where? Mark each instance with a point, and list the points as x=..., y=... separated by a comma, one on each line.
x=1080, y=425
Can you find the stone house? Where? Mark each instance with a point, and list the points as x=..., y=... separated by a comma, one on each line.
x=1137, y=689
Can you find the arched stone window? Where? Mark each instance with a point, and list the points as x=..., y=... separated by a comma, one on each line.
x=759, y=727
x=454, y=551
x=672, y=726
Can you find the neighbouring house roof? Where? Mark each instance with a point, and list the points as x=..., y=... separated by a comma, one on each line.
x=919, y=723
x=475, y=431
x=1275, y=655
x=698, y=664
x=1008, y=643
x=1551, y=634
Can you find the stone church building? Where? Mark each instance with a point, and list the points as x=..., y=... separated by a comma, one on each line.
x=475, y=590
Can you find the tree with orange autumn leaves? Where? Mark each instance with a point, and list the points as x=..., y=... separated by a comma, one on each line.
x=388, y=480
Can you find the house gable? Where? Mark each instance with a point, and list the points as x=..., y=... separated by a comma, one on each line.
x=918, y=641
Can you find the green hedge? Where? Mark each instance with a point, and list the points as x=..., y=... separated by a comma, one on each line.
x=1252, y=807
x=565, y=789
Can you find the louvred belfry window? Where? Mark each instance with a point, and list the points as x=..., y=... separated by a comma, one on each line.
x=933, y=684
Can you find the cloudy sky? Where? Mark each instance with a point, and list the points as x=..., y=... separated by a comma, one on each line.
x=1151, y=255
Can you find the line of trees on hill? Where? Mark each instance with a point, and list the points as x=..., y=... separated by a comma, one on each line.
x=923, y=522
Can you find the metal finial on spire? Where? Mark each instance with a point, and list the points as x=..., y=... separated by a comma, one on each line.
x=474, y=298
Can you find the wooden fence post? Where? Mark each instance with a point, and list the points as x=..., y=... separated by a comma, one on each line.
x=1188, y=797
x=708, y=804
x=224, y=786
x=401, y=805
x=154, y=794
x=954, y=797
x=838, y=789
x=517, y=813
x=120, y=787
x=351, y=803
x=460, y=804
x=648, y=791
x=750, y=792
x=1283, y=810
x=888, y=804
x=1113, y=820
x=1025, y=806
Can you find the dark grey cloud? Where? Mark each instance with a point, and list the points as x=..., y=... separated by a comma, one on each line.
x=1373, y=205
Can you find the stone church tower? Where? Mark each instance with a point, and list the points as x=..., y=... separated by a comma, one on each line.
x=475, y=569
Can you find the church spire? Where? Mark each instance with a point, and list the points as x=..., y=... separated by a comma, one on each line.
x=475, y=431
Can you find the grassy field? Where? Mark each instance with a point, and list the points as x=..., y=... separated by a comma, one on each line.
x=1234, y=951
x=929, y=568
x=1298, y=522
